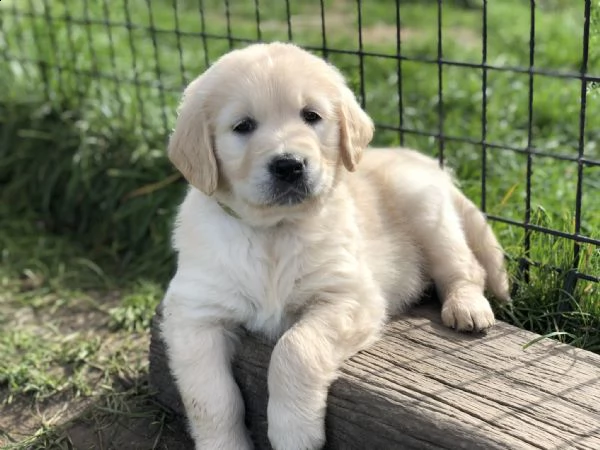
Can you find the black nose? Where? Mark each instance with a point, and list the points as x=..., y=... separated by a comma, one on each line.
x=287, y=168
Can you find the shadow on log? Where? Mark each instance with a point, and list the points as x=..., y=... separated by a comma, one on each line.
x=426, y=387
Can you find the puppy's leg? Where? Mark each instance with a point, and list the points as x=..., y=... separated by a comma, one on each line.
x=484, y=245
x=305, y=361
x=458, y=276
x=199, y=355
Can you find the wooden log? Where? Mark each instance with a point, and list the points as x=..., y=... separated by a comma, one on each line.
x=423, y=386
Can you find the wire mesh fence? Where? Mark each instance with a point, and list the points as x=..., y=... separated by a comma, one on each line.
x=501, y=91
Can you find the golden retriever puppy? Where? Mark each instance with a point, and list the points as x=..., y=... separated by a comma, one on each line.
x=291, y=229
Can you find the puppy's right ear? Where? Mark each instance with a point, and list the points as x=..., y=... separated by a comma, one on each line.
x=190, y=145
x=356, y=129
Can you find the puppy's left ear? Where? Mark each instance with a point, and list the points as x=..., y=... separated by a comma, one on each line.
x=356, y=130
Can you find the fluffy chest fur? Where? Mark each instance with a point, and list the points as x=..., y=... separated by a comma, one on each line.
x=261, y=278
x=266, y=272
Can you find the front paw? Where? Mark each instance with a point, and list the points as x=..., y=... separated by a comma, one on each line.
x=293, y=428
x=467, y=312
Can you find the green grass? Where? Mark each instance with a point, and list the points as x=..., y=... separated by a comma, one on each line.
x=87, y=195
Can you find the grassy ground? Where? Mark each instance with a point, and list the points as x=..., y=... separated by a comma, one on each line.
x=74, y=347
x=87, y=194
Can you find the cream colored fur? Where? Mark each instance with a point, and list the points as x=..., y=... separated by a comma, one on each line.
x=320, y=277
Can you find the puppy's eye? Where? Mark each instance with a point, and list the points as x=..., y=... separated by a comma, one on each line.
x=245, y=126
x=310, y=116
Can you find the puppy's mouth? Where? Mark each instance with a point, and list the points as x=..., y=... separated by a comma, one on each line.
x=284, y=194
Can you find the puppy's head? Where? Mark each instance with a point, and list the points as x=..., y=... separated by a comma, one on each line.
x=267, y=128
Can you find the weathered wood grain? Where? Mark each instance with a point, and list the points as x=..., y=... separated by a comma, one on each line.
x=426, y=387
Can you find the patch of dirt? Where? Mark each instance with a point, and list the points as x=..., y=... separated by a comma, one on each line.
x=22, y=418
x=304, y=23
x=465, y=36
x=135, y=423
x=115, y=367
x=341, y=23
x=373, y=34
x=142, y=427
x=382, y=32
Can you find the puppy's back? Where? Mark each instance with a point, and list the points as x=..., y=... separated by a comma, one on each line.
x=411, y=187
